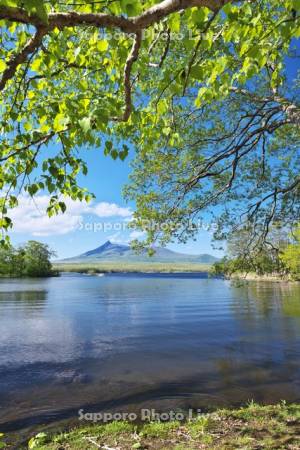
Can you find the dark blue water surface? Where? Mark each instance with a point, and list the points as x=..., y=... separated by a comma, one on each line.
x=132, y=341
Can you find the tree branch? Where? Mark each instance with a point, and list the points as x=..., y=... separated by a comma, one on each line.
x=291, y=109
x=40, y=141
x=21, y=57
x=132, y=57
x=134, y=25
x=72, y=18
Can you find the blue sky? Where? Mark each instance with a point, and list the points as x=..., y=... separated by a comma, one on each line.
x=82, y=227
x=86, y=226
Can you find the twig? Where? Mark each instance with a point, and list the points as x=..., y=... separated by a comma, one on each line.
x=103, y=447
x=91, y=440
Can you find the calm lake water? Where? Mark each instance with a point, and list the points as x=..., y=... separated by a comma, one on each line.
x=122, y=343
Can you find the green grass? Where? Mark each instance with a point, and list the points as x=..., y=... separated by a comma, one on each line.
x=111, y=267
x=248, y=428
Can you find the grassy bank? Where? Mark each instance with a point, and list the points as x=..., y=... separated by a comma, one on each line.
x=251, y=427
x=113, y=267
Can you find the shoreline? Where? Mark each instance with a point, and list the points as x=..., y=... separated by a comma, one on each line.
x=251, y=276
x=251, y=426
x=161, y=268
x=107, y=268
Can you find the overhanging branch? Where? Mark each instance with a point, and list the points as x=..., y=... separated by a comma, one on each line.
x=129, y=25
x=21, y=57
x=132, y=57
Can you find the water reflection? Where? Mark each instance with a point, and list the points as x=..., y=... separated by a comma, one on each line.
x=131, y=342
x=266, y=297
x=28, y=297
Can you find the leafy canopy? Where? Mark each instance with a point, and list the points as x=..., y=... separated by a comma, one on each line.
x=124, y=73
x=236, y=164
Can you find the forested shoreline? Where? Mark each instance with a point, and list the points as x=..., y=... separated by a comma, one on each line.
x=279, y=260
x=29, y=260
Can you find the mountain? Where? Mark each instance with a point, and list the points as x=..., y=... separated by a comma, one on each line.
x=109, y=252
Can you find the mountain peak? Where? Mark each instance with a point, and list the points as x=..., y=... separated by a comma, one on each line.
x=110, y=251
x=106, y=244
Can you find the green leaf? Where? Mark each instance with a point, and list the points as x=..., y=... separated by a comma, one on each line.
x=5, y=222
x=2, y=65
x=296, y=5
x=37, y=7
x=130, y=7
x=102, y=45
x=85, y=124
x=123, y=154
x=244, y=48
x=62, y=206
x=35, y=66
x=197, y=72
x=50, y=187
x=108, y=147
x=247, y=9
x=114, y=154
x=174, y=23
x=33, y=189
x=199, y=15
x=60, y=122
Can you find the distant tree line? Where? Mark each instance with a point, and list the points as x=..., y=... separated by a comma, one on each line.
x=280, y=257
x=29, y=260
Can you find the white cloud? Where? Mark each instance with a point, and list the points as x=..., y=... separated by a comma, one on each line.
x=30, y=215
x=104, y=209
x=117, y=238
x=137, y=235
x=129, y=219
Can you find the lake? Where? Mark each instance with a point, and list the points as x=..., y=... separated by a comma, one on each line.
x=125, y=342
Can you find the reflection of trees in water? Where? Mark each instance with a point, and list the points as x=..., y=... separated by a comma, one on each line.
x=276, y=304
x=265, y=350
x=265, y=299
x=26, y=297
x=291, y=300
